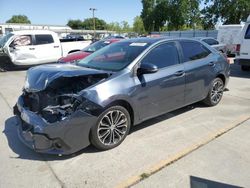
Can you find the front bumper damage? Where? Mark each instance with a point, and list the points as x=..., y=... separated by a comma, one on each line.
x=61, y=137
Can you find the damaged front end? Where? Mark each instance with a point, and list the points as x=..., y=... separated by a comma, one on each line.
x=61, y=98
x=58, y=119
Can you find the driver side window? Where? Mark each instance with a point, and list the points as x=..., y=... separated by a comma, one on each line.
x=162, y=56
x=22, y=40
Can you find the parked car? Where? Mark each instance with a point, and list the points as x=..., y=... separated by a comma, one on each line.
x=243, y=57
x=114, y=37
x=214, y=43
x=66, y=107
x=77, y=56
x=32, y=47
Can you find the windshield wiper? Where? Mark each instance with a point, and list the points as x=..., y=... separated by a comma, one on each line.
x=89, y=51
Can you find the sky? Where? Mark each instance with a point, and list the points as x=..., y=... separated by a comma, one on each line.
x=58, y=12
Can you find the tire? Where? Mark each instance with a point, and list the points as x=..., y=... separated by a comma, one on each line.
x=111, y=128
x=215, y=92
x=245, y=68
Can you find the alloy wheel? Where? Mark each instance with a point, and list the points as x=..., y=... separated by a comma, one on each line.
x=112, y=127
x=217, y=91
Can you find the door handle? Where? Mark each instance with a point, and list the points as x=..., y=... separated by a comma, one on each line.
x=31, y=48
x=56, y=46
x=179, y=73
x=212, y=64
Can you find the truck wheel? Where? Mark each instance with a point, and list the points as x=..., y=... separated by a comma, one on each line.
x=111, y=128
x=245, y=68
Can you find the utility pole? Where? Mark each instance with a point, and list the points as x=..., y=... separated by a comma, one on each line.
x=93, y=14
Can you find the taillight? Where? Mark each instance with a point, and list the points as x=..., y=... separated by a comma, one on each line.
x=238, y=48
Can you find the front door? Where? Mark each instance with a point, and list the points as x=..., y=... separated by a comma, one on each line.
x=21, y=50
x=163, y=91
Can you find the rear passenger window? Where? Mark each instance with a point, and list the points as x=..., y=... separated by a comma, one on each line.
x=247, y=35
x=163, y=55
x=44, y=39
x=193, y=50
x=211, y=41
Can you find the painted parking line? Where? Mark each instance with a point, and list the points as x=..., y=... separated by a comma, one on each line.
x=163, y=163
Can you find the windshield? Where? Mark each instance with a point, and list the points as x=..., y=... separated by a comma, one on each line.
x=96, y=46
x=4, y=39
x=114, y=57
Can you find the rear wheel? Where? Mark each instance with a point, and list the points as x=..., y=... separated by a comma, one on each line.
x=245, y=68
x=111, y=128
x=215, y=92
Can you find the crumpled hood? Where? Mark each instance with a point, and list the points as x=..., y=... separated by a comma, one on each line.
x=38, y=78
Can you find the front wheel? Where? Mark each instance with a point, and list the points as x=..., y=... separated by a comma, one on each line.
x=215, y=92
x=111, y=128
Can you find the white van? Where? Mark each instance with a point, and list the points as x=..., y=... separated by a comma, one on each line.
x=243, y=57
x=230, y=36
x=33, y=47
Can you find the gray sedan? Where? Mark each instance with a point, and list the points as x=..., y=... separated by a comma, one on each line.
x=64, y=108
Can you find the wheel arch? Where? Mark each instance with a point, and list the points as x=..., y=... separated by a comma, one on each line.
x=126, y=105
x=222, y=77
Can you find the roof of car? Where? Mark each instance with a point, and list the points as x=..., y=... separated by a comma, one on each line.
x=32, y=32
x=144, y=40
x=150, y=41
x=202, y=38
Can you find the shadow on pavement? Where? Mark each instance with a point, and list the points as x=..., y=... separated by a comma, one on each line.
x=24, y=152
x=196, y=182
x=237, y=72
x=166, y=116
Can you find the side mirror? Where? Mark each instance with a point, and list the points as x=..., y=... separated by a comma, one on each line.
x=147, y=68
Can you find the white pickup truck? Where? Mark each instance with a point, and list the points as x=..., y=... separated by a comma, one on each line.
x=33, y=47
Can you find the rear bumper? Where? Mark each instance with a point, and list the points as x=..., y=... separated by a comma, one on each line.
x=242, y=61
x=64, y=137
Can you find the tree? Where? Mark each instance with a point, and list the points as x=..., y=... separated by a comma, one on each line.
x=75, y=24
x=209, y=20
x=228, y=12
x=193, y=14
x=147, y=14
x=114, y=26
x=99, y=24
x=160, y=14
x=19, y=19
x=125, y=27
x=88, y=24
x=171, y=14
x=138, y=26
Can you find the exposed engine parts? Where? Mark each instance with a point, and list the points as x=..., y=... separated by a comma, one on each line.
x=60, y=99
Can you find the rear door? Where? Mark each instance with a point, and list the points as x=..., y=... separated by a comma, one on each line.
x=200, y=69
x=46, y=48
x=245, y=45
x=162, y=91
